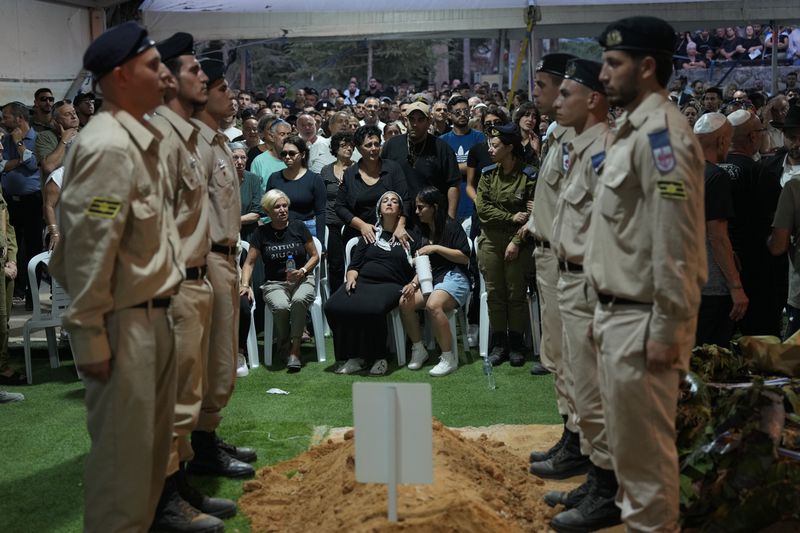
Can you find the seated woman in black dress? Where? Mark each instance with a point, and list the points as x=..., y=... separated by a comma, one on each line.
x=288, y=293
x=443, y=240
x=364, y=183
x=379, y=273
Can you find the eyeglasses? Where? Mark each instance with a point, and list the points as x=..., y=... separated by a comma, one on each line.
x=460, y=111
x=289, y=153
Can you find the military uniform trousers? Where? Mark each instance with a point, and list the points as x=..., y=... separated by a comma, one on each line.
x=6, y=294
x=130, y=420
x=552, y=332
x=191, y=316
x=223, y=340
x=640, y=408
x=577, y=302
x=506, y=281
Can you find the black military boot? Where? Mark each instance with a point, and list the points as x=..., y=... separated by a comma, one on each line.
x=499, y=351
x=211, y=460
x=597, y=510
x=175, y=514
x=516, y=344
x=537, y=368
x=538, y=457
x=565, y=463
x=572, y=498
x=219, y=507
x=247, y=455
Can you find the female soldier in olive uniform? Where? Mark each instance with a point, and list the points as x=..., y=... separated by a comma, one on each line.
x=504, y=191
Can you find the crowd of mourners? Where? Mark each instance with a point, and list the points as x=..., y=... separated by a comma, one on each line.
x=344, y=193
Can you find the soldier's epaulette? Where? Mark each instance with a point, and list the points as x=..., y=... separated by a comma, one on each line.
x=488, y=168
x=531, y=171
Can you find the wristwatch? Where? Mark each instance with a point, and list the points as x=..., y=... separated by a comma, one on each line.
x=304, y=271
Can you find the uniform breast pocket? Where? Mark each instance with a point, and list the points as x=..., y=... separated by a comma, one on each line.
x=145, y=231
x=221, y=187
x=615, y=193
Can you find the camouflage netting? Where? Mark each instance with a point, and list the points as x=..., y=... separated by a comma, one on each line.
x=739, y=445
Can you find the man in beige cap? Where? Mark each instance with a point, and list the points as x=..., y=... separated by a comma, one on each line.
x=723, y=300
x=120, y=260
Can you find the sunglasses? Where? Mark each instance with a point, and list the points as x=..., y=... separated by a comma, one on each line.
x=460, y=111
x=289, y=153
x=490, y=123
x=62, y=103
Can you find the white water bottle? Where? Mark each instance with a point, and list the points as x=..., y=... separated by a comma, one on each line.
x=422, y=263
x=290, y=264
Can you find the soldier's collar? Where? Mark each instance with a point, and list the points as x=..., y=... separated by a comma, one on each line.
x=638, y=116
x=184, y=128
x=205, y=132
x=141, y=134
x=587, y=137
x=559, y=131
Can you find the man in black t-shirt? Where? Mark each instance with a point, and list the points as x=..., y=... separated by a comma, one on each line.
x=424, y=158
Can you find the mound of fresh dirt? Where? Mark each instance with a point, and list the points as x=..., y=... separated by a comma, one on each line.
x=479, y=486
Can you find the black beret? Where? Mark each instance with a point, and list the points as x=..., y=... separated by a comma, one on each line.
x=115, y=47
x=586, y=73
x=214, y=69
x=82, y=97
x=643, y=34
x=323, y=105
x=555, y=64
x=180, y=44
x=508, y=134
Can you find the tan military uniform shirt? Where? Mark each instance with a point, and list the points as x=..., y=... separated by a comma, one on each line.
x=223, y=186
x=647, y=236
x=119, y=246
x=555, y=163
x=188, y=184
x=574, y=206
x=8, y=239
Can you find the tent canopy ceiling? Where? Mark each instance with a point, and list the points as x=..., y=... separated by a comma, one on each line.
x=387, y=19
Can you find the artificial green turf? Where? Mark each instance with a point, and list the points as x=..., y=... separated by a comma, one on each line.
x=43, y=440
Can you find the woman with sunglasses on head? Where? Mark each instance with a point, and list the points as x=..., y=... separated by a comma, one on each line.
x=305, y=189
x=364, y=183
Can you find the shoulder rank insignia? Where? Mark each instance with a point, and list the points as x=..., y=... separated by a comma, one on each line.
x=597, y=161
x=488, y=168
x=103, y=207
x=672, y=190
x=564, y=157
x=663, y=156
x=531, y=172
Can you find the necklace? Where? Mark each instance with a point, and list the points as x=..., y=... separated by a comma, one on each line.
x=412, y=155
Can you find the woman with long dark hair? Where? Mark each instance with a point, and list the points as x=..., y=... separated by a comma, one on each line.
x=445, y=243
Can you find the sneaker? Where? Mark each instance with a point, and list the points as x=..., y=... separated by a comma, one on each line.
x=379, y=368
x=351, y=366
x=447, y=364
x=472, y=335
x=10, y=397
x=418, y=356
x=241, y=366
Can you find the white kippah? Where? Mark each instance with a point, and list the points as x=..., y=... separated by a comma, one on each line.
x=709, y=123
x=739, y=117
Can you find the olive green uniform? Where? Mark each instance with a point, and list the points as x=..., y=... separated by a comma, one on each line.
x=8, y=254
x=555, y=162
x=119, y=260
x=500, y=197
x=191, y=307
x=576, y=303
x=646, y=244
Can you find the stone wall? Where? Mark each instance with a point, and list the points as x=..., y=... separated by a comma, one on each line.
x=744, y=77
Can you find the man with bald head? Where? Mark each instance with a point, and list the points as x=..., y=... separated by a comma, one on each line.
x=723, y=300
x=755, y=192
x=319, y=154
x=307, y=129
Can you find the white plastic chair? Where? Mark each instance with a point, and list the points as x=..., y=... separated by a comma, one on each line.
x=40, y=319
x=325, y=285
x=394, y=321
x=252, y=339
x=534, y=312
x=317, y=317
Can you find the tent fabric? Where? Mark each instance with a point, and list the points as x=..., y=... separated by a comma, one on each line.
x=387, y=19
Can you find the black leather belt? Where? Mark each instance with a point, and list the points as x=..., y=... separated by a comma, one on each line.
x=224, y=250
x=196, y=272
x=569, y=266
x=607, y=299
x=155, y=302
x=541, y=244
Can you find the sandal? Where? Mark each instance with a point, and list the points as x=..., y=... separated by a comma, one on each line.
x=15, y=379
x=294, y=364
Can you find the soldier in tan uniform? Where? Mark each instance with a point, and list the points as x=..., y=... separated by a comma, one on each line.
x=120, y=260
x=582, y=105
x=213, y=456
x=182, y=508
x=8, y=271
x=555, y=162
x=646, y=261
